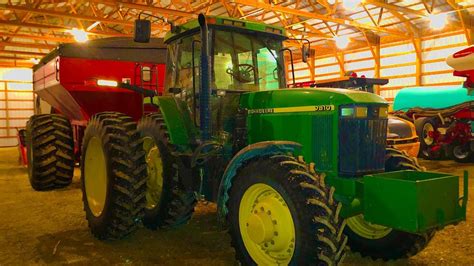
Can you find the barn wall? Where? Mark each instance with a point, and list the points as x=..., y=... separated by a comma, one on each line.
x=398, y=62
x=16, y=102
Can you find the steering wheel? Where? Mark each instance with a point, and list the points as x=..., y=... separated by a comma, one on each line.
x=245, y=73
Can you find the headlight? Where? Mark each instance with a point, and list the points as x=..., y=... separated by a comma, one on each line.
x=347, y=111
x=357, y=112
x=383, y=112
x=360, y=112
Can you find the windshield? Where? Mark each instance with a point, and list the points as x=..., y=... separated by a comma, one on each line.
x=246, y=62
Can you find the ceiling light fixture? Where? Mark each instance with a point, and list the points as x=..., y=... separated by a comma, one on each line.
x=438, y=21
x=342, y=41
x=34, y=61
x=351, y=4
x=79, y=35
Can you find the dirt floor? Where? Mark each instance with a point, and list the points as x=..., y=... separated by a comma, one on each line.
x=50, y=228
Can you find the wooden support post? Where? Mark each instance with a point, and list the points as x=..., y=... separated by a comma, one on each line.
x=377, y=66
x=7, y=112
x=419, y=61
x=340, y=60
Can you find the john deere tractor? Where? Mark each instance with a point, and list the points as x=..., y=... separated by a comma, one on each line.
x=224, y=132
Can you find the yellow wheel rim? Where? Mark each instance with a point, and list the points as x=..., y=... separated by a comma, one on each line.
x=266, y=225
x=155, y=173
x=95, y=176
x=427, y=128
x=365, y=229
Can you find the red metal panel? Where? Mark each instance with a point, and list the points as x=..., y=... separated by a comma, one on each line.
x=68, y=87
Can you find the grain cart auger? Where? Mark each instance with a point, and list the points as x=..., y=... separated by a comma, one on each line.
x=226, y=133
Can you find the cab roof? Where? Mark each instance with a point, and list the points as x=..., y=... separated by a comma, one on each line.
x=225, y=22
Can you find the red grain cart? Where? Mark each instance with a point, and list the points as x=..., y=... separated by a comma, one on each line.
x=71, y=86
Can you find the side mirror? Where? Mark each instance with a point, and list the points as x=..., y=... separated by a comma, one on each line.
x=142, y=31
x=305, y=53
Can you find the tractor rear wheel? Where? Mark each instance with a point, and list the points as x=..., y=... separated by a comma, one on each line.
x=50, y=151
x=380, y=242
x=113, y=175
x=168, y=204
x=423, y=127
x=282, y=212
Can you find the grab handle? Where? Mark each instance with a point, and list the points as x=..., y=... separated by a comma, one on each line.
x=56, y=68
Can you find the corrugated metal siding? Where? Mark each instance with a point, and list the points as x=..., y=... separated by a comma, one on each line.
x=16, y=103
x=397, y=63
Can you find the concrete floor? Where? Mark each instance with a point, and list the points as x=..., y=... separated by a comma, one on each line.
x=49, y=228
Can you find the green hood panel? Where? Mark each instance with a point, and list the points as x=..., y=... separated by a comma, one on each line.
x=306, y=97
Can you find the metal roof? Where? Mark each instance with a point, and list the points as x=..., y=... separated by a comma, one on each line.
x=32, y=28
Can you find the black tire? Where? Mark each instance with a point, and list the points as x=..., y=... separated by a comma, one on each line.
x=319, y=238
x=125, y=172
x=50, y=151
x=425, y=147
x=460, y=153
x=396, y=244
x=176, y=204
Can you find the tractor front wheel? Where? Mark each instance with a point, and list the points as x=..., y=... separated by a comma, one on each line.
x=50, y=151
x=461, y=153
x=168, y=204
x=380, y=242
x=113, y=175
x=282, y=212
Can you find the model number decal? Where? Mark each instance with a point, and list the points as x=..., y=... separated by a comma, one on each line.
x=312, y=108
x=324, y=107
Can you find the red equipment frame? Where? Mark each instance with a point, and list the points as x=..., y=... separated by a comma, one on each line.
x=68, y=77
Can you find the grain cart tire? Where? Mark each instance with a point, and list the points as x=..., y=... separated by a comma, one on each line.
x=423, y=126
x=380, y=242
x=461, y=153
x=167, y=203
x=287, y=212
x=113, y=175
x=50, y=151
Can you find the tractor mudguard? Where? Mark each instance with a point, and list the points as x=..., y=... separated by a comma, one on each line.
x=258, y=149
x=178, y=121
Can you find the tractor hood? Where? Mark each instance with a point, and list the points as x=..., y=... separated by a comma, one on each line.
x=306, y=97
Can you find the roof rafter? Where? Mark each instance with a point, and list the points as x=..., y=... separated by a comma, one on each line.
x=306, y=14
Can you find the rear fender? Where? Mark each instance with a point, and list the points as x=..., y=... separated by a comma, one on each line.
x=259, y=149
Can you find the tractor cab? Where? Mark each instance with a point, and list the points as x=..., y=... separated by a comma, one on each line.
x=243, y=57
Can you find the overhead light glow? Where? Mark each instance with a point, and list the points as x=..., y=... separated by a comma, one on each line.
x=331, y=2
x=79, y=35
x=438, y=21
x=93, y=25
x=34, y=61
x=351, y=4
x=342, y=41
x=108, y=83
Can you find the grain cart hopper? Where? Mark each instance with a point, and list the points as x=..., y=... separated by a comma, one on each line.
x=443, y=116
x=401, y=132
x=66, y=83
x=225, y=132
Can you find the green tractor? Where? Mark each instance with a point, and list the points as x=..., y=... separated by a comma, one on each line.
x=226, y=133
